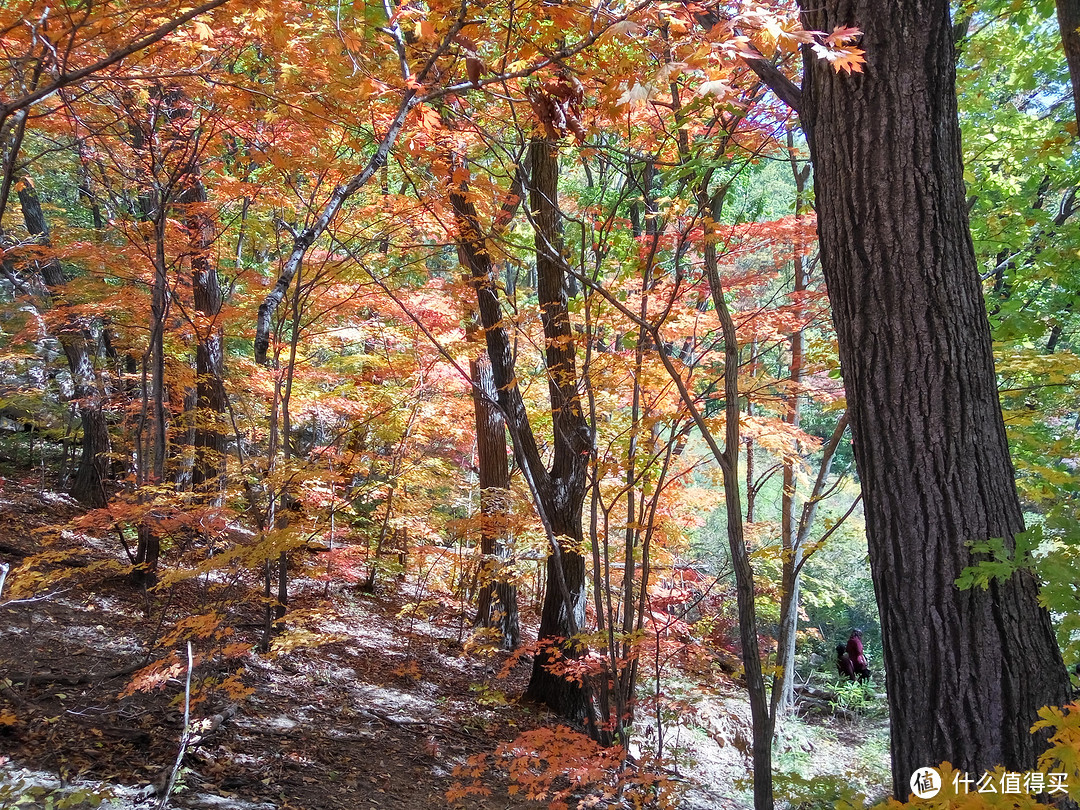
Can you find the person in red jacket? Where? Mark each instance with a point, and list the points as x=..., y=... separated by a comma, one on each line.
x=855, y=653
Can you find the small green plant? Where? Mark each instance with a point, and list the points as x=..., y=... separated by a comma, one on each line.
x=487, y=696
x=859, y=698
x=19, y=794
x=823, y=792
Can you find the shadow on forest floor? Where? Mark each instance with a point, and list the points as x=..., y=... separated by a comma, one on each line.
x=377, y=716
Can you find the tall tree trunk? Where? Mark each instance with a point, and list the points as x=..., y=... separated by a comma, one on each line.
x=966, y=670
x=496, y=595
x=751, y=493
x=149, y=543
x=88, y=486
x=287, y=498
x=710, y=204
x=563, y=613
x=1068, y=14
x=783, y=695
x=762, y=719
x=210, y=402
x=147, y=553
x=559, y=492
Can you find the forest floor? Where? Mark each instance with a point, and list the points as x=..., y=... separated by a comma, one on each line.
x=374, y=711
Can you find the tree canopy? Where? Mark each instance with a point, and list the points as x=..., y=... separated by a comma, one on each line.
x=602, y=325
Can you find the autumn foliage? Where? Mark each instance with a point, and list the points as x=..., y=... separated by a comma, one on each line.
x=270, y=269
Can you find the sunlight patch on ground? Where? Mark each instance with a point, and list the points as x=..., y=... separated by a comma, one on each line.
x=92, y=637
x=96, y=639
x=394, y=702
x=58, y=499
x=82, y=540
x=368, y=634
x=336, y=673
x=211, y=802
x=280, y=723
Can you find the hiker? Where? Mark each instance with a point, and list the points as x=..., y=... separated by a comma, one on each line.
x=855, y=653
x=843, y=663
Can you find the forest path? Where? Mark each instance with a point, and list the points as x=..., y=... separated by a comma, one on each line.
x=372, y=703
x=377, y=718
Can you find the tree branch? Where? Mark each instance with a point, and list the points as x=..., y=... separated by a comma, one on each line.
x=71, y=77
x=786, y=90
x=306, y=238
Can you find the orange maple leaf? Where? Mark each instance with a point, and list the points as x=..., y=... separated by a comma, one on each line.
x=842, y=34
x=838, y=49
x=847, y=58
x=850, y=60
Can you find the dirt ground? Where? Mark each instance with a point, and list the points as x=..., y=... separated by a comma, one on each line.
x=375, y=714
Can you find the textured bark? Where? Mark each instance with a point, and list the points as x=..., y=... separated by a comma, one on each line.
x=1068, y=14
x=563, y=613
x=966, y=670
x=494, y=507
x=147, y=554
x=88, y=486
x=560, y=491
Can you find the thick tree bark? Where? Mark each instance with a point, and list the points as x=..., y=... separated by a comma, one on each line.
x=966, y=670
x=1068, y=14
x=494, y=507
x=147, y=554
x=88, y=486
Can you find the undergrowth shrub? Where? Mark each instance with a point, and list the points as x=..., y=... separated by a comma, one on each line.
x=822, y=792
x=567, y=770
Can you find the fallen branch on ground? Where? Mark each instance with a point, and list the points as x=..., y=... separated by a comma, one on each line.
x=210, y=725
